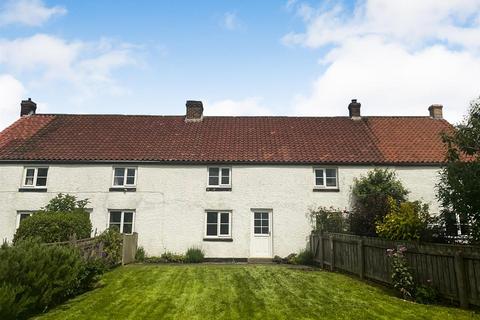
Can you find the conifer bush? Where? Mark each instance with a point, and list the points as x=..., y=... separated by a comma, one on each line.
x=34, y=277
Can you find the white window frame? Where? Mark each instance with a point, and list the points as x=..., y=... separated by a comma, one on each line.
x=219, y=212
x=220, y=185
x=122, y=215
x=35, y=175
x=324, y=186
x=125, y=184
x=19, y=213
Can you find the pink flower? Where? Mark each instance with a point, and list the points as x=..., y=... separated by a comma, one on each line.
x=402, y=249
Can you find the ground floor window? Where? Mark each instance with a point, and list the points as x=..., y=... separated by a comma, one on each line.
x=122, y=220
x=22, y=215
x=218, y=224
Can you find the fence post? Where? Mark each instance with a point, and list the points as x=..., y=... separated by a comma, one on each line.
x=361, y=262
x=320, y=248
x=124, y=238
x=311, y=243
x=461, y=285
x=100, y=250
x=332, y=253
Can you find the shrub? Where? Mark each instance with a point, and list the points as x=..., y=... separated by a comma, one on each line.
x=93, y=269
x=370, y=199
x=59, y=220
x=404, y=221
x=112, y=246
x=402, y=278
x=304, y=257
x=173, y=257
x=277, y=259
x=426, y=294
x=328, y=219
x=155, y=260
x=291, y=258
x=194, y=255
x=54, y=226
x=35, y=277
x=140, y=254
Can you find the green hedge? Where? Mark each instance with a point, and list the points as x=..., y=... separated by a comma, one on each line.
x=55, y=226
x=35, y=277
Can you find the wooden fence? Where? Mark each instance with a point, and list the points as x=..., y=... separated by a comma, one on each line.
x=90, y=247
x=454, y=270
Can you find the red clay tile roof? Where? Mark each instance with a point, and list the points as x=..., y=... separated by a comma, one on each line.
x=371, y=140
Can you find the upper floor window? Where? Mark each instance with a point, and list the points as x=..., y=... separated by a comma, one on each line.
x=122, y=220
x=124, y=176
x=326, y=178
x=35, y=177
x=219, y=177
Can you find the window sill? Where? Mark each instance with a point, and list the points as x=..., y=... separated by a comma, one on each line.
x=326, y=190
x=32, y=190
x=219, y=188
x=122, y=189
x=218, y=239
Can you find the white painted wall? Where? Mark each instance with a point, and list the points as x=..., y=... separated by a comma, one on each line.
x=171, y=200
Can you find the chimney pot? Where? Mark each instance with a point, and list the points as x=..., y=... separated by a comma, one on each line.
x=194, y=111
x=354, y=109
x=436, y=111
x=27, y=107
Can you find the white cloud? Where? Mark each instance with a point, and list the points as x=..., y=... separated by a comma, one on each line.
x=230, y=21
x=46, y=59
x=250, y=106
x=28, y=12
x=397, y=57
x=389, y=80
x=11, y=94
x=409, y=21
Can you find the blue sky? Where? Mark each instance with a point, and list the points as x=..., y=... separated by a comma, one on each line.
x=239, y=57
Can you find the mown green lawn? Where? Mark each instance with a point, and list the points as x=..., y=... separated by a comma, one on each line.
x=241, y=292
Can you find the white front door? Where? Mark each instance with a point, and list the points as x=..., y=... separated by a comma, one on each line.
x=261, y=234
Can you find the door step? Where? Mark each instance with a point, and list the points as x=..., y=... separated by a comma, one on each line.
x=260, y=260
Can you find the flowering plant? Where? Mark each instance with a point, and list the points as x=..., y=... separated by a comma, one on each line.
x=402, y=278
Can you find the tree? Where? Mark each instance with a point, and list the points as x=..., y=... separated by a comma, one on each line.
x=370, y=196
x=459, y=186
x=65, y=203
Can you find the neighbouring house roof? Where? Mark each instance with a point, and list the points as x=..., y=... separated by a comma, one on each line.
x=309, y=140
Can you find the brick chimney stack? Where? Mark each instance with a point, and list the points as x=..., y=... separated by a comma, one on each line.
x=194, y=111
x=27, y=107
x=436, y=111
x=354, y=109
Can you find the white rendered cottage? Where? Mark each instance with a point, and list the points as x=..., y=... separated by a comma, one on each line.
x=239, y=187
